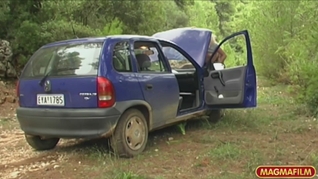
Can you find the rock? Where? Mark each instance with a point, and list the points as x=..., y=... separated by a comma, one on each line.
x=11, y=72
x=170, y=138
x=44, y=164
x=2, y=100
x=5, y=49
x=5, y=92
x=14, y=174
x=6, y=68
x=10, y=99
x=3, y=69
x=56, y=166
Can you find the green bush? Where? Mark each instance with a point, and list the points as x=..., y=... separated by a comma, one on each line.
x=311, y=96
x=304, y=81
x=284, y=40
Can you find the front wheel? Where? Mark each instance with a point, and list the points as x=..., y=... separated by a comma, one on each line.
x=131, y=134
x=216, y=115
x=38, y=143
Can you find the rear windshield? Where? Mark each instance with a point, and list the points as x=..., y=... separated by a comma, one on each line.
x=65, y=60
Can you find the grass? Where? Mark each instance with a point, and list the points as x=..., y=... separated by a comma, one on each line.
x=273, y=133
x=226, y=151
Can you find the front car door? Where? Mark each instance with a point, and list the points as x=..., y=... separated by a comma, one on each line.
x=232, y=87
x=158, y=83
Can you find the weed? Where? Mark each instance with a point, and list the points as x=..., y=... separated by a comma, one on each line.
x=229, y=175
x=314, y=159
x=182, y=127
x=255, y=158
x=225, y=151
x=127, y=175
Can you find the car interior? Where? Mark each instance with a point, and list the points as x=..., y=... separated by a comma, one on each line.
x=186, y=75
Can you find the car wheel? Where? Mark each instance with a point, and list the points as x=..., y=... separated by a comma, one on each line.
x=215, y=115
x=41, y=144
x=131, y=134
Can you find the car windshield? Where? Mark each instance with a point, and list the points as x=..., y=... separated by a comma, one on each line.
x=176, y=59
x=65, y=60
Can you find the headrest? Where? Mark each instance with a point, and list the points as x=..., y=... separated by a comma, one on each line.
x=143, y=60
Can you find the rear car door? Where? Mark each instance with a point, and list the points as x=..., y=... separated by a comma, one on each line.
x=232, y=87
x=62, y=75
x=158, y=83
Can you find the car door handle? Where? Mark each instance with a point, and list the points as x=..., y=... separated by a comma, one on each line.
x=215, y=75
x=218, y=75
x=149, y=87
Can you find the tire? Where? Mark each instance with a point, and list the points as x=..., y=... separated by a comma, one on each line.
x=129, y=141
x=41, y=144
x=215, y=115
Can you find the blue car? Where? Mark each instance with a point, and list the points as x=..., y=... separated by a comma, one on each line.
x=121, y=87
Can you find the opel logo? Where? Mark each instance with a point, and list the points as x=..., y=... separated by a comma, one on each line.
x=47, y=86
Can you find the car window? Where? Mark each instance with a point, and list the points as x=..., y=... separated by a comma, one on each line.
x=149, y=59
x=176, y=59
x=65, y=60
x=121, y=57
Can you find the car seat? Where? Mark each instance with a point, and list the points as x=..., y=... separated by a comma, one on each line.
x=144, y=62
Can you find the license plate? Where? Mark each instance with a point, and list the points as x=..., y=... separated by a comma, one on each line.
x=50, y=99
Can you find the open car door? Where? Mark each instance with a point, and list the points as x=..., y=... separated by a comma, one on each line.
x=232, y=87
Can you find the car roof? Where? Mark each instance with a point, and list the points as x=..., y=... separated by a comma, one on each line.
x=194, y=41
x=100, y=39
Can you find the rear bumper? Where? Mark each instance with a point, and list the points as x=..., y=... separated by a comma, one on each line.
x=68, y=123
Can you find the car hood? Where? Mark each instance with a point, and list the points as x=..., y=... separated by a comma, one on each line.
x=194, y=41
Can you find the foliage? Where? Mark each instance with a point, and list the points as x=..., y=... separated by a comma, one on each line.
x=30, y=24
x=284, y=43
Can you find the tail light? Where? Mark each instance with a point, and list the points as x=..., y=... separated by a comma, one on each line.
x=105, y=93
x=17, y=90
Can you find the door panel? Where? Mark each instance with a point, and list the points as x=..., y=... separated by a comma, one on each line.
x=232, y=87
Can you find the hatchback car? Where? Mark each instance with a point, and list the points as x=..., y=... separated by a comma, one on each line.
x=124, y=86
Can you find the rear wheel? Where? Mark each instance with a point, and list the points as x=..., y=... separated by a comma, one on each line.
x=216, y=115
x=131, y=134
x=38, y=143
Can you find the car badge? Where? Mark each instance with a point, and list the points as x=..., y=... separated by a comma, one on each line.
x=47, y=86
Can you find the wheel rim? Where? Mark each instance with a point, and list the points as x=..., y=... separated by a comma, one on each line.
x=135, y=133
